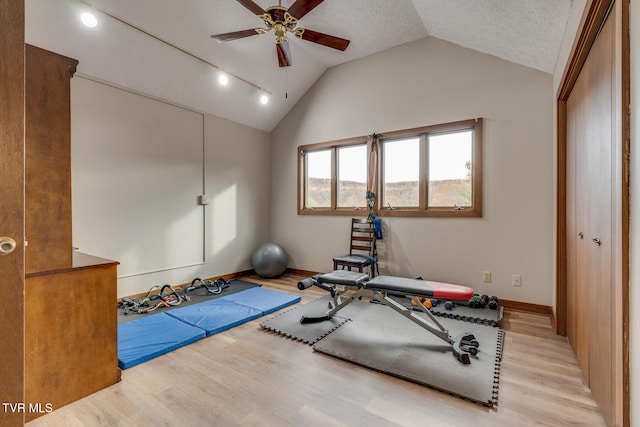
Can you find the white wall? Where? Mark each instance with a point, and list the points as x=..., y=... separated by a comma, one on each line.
x=136, y=182
x=421, y=83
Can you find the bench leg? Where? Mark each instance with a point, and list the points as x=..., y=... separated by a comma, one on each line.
x=437, y=330
x=462, y=346
x=338, y=302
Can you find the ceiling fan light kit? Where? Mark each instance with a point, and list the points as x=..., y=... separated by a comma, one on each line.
x=282, y=20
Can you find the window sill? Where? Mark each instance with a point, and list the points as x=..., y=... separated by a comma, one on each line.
x=433, y=213
x=335, y=212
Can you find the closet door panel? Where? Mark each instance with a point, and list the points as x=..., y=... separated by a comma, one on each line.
x=599, y=205
x=577, y=259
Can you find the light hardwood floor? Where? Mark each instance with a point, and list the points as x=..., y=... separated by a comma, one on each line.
x=251, y=377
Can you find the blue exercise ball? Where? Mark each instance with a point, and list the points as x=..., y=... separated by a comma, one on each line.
x=269, y=260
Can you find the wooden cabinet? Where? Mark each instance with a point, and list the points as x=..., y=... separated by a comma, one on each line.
x=48, y=160
x=70, y=298
x=71, y=343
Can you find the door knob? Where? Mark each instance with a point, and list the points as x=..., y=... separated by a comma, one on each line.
x=596, y=240
x=581, y=235
x=7, y=245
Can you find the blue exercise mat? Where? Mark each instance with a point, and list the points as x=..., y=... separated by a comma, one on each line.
x=265, y=300
x=149, y=337
x=216, y=315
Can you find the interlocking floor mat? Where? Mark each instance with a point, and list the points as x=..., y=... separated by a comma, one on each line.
x=288, y=322
x=484, y=316
x=380, y=339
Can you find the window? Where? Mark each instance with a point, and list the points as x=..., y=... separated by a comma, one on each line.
x=352, y=176
x=318, y=179
x=428, y=171
x=333, y=177
x=401, y=172
x=432, y=171
x=450, y=170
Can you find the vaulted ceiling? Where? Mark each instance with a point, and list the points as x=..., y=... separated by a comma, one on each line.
x=163, y=47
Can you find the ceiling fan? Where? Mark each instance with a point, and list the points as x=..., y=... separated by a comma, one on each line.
x=282, y=20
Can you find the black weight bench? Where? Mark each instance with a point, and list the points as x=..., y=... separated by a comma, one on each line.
x=339, y=282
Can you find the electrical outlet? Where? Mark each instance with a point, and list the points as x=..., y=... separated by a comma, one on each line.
x=486, y=276
x=516, y=280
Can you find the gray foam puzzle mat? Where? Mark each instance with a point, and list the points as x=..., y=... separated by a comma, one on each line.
x=288, y=322
x=380, y=339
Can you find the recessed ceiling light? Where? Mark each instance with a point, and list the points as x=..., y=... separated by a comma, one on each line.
x=89, y=19
x=223, y=78
x=264, y=99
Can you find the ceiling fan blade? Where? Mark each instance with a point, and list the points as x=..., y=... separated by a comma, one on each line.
x=325, y=39
x=257, y=10
x=284, y=54
x=302, y=7
x=227, y=37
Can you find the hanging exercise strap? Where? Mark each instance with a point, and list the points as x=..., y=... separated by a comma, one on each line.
x=371, y=187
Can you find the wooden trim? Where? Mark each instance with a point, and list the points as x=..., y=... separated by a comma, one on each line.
x=437, y=128
x=625, y=183
x=561, y=220
x=12, y=144
x=423, y=177
x=299, y=272
x=592, y=20
x=333, y=144
x=334, y=178
x=527, y=307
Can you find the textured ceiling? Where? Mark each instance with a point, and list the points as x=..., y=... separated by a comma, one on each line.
x=528, y=32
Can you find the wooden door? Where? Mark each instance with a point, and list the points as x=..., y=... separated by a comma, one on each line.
x=590, y=193
x=12, y=209
x=598, y=146
x=577, y=261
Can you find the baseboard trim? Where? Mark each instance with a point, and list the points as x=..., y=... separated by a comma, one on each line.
x=527, y=307
x=299, y=272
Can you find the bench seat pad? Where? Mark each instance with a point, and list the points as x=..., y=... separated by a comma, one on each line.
x=344, y=277
x=355, y=259
x=421, y=288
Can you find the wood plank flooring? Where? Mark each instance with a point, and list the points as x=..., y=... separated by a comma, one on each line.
x=251, y=377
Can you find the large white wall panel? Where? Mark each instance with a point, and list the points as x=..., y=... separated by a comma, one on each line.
x=137, y=172
x=138, y=165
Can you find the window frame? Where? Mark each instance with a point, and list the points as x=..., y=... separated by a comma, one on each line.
x=423, y=210
x=333, y=146
x=475, y=210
